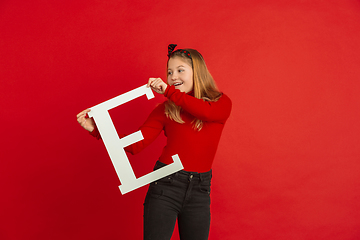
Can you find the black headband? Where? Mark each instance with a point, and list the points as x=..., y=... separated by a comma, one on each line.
x=171, y=48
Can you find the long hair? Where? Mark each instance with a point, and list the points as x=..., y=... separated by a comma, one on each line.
x=204, y=86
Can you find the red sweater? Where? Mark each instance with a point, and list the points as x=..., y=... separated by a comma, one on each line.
x=196, y=149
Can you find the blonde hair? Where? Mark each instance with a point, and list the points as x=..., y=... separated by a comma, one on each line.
x=204, y=86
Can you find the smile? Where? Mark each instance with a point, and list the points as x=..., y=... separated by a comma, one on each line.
x=177, y=84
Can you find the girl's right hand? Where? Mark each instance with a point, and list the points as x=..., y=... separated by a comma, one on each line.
x=157, y=84
x=87, y=123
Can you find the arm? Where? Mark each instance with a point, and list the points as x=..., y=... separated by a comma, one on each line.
x=217, y=111
x=150, y=130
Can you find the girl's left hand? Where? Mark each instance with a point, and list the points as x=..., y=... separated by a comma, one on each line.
x=157, y=85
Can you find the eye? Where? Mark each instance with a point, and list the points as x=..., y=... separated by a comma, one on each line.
x=181, y=70
x=169, y=72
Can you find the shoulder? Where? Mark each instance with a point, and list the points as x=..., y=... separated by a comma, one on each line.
x=225, y=99
x=224, y=96
x=225, y=104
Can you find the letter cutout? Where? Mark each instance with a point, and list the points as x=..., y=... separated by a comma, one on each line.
x=115, y=146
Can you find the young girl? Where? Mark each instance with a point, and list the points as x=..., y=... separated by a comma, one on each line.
x=192, y=118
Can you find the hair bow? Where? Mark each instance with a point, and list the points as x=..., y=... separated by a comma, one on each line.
x=171, y=48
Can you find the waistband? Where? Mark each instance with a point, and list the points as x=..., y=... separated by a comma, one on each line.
x=205, y=176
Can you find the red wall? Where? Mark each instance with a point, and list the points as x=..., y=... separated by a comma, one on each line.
x=288, y=162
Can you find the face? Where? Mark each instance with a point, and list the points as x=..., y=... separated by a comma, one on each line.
x=180, y=74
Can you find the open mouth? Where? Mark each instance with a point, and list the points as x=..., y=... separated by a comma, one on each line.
x=178, y=84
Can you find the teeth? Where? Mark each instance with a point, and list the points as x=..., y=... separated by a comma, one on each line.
x=177, y=84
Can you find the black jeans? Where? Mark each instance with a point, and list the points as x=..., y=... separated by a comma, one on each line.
x=184, y=196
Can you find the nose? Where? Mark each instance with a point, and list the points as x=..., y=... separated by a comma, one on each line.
x=174, y=76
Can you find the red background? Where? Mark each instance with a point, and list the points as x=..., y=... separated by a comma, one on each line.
x=288, y=161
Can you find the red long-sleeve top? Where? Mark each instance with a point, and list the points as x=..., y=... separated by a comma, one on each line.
x=196, y=149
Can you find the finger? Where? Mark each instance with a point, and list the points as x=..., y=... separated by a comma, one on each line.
x=83, y=113
x=156, y=87
x=80, y=114
x=157, y=83
x=153, y=81
x=81, y=118
x=150, y=81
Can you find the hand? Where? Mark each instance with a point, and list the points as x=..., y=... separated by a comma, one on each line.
x=157, y=85
x=87, y=123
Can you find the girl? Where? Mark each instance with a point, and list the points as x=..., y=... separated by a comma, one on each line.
x=192, y=118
